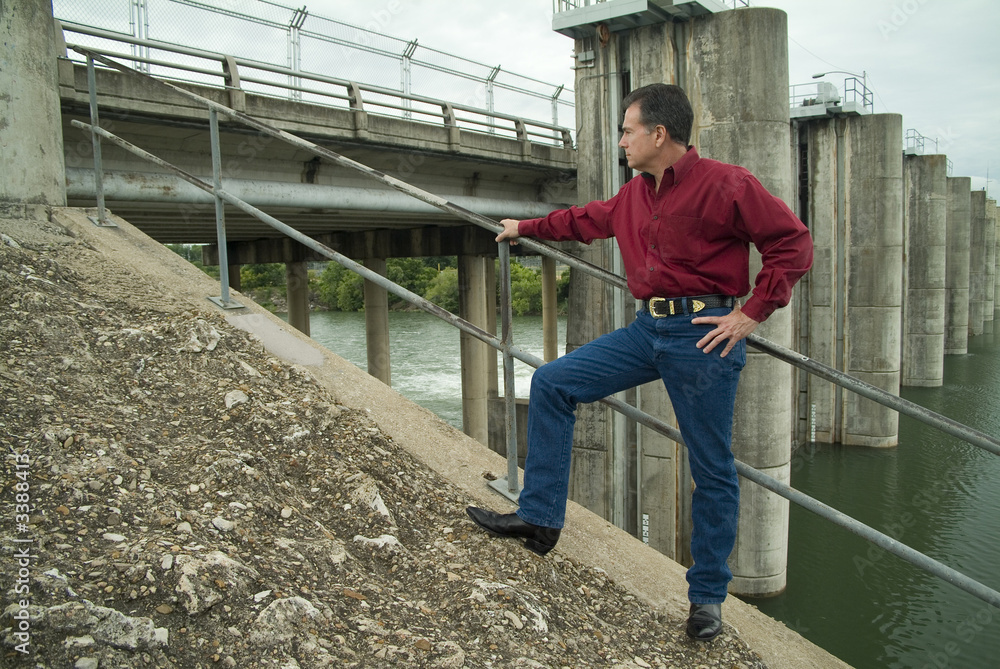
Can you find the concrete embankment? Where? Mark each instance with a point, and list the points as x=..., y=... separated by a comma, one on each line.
x=588, y=538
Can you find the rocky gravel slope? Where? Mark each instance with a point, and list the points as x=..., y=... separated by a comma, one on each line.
x=174, y=496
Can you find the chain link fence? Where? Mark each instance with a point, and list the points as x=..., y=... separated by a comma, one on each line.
x=276, y=34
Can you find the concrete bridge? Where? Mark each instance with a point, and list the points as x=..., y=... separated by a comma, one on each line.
x=496, y=164
x=905, y=255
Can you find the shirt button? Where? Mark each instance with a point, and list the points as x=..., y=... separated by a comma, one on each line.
x=655, y=217
x=650, y=269
x=652, y=246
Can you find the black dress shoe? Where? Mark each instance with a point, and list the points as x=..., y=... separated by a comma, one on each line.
x=704, y=621
x=538, y=539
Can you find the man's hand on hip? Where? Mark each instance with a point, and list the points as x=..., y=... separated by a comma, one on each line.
x=509, y=231
x=733, y=327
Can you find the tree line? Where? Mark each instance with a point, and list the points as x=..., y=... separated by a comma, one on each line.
x=333, y=287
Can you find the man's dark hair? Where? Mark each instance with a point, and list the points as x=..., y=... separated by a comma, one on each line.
x=666, y=105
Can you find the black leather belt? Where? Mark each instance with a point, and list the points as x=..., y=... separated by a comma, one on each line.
x=659, y=307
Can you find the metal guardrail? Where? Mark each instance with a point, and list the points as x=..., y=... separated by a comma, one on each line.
x=505, y=342
x=232, y=73
x=823, y=94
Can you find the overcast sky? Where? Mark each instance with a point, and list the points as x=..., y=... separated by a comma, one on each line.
x=935, y=62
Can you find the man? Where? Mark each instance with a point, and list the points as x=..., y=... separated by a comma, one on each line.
x=684, y=226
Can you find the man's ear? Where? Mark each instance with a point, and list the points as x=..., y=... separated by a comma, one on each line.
x=660, y=136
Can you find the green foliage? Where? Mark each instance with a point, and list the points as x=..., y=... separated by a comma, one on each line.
x=525, y=290
x=443, y=290
x=340, y=289
x=267, y=275
x=410, y=273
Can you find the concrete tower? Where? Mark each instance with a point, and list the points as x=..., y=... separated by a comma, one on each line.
x=956, y=318
x=734, y=67
x=30, y=121
x=855, y=212
x=926, y=250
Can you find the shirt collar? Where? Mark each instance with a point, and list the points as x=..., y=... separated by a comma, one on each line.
x=676, y=172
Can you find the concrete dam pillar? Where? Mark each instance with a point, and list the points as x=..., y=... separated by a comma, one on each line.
x=977, y=261
x=926, y=249
x=956, y=319
x=996, y=265
x=599, y=176
x=737, y=77
x=733, y=66
x=991, y=265
x=30, y=119
x=855, y=214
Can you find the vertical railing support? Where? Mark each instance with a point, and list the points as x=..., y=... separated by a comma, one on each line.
x=95, y=121
x=220, y=215
x=508, y=487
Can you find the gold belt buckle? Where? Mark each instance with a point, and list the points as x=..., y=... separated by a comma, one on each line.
x=653, y=301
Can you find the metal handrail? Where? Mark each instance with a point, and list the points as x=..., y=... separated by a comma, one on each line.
x=511, y=352
x=539, y=128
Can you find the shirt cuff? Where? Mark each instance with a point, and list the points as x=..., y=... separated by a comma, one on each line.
x=757, y=309
x=527, y=227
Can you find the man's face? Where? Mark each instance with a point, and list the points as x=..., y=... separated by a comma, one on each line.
x=641, y=149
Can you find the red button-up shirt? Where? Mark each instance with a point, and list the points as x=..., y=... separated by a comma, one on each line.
x=692, y=236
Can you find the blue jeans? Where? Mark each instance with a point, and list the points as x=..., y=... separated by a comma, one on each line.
x=702, y=389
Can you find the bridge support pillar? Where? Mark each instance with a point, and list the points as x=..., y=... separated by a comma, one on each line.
x=494, y=362
x=926, y=249
x=297, y=292
x=550, y=323
x=31, y=131
x=475, y=354
x=956, y=317
x=377, y=324
x=235, y=281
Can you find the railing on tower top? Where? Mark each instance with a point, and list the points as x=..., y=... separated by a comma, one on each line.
x=569, y=5
x=505, y=342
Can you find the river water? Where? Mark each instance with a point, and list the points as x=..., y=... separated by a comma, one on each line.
x=933, y=493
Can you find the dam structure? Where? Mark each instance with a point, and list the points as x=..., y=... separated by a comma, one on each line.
x=905, y=253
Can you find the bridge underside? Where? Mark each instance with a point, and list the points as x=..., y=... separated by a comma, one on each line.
x=494, y=175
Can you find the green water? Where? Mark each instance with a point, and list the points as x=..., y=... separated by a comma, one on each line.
x=933, y=493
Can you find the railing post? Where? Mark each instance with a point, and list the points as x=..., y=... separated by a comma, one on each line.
x=522, y=135
x=451, y=123
x=237, y=98
x=509, y=487
x=357, y=105
x=220, y=215
x=102, y=216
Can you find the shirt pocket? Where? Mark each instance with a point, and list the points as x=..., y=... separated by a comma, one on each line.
x=681, y=239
